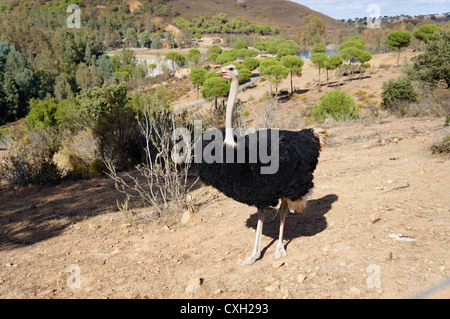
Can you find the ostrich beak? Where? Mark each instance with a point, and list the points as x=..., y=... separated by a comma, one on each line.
x=221, y=73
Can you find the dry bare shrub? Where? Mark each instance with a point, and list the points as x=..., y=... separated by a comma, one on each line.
x=28, y=162
x=77, y=151
x=433, y=102
x=443, y=147
x=16, y=170
x=266, y=113
x=162, y=181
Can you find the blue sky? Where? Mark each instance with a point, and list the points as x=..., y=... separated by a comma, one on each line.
x=345, y=9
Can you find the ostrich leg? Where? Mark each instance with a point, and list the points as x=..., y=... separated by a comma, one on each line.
x=280, y=251
x=257, y=249
x=274, y=217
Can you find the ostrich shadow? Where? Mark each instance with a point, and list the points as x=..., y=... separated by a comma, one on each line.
x=308, y=223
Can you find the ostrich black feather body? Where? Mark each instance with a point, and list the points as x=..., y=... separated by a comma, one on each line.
x=245, y=183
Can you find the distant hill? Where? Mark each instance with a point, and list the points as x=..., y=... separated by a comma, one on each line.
x=283, y=13
x=286, y=14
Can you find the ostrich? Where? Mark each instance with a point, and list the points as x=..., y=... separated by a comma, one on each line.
x=244, y=181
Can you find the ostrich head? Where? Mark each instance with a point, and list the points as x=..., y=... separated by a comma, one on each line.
x=229, y=72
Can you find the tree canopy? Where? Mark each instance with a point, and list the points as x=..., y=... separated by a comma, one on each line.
x=18, y=84
x=313, y=31
x=221, y=23
x=294, y=64
x=320, y=61
x=197, y=77
x=215, y=87
x=398, y=39
x=427, y=32
x=433, y=66
x=319, y=48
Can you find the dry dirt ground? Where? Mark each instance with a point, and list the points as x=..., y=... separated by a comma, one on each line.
x=377, y=226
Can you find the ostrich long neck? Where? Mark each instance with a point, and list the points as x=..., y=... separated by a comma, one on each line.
x=234, y=88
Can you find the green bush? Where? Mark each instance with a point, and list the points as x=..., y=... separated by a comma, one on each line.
x=42, y=114
x=214, y=49
x=240, y=45
x=397, y=93
x=244, y=75
x=442, y=147
x=432, y=66
x=3, y=134
x=225, y=58
x=97, y=168
x=251, y=63
x=118, y=141
x=47, y=172
x=337, y=104
x=212, y=57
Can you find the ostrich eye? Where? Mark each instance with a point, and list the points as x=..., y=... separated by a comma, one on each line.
x=231, y=69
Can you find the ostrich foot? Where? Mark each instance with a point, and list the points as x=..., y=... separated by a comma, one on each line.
x=280, y=251
x=250, y=260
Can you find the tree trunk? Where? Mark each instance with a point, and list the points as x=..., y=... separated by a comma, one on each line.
x=338, y=77
x=328, y=82
x=292, y=88
x=319, y=80
x=360, y=71
x=352, y=69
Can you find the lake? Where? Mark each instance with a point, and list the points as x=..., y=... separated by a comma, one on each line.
x=305, y=55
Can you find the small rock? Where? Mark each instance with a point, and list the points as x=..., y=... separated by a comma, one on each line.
x=93, y=226
x=189, y=219
x=218, y=291
x=272, y=288
x=355, y=291
x=277, y=264
x=285, y=293
x=193, y=285
x=379, y=188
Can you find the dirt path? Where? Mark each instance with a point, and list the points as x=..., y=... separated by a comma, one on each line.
x=375, y=181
